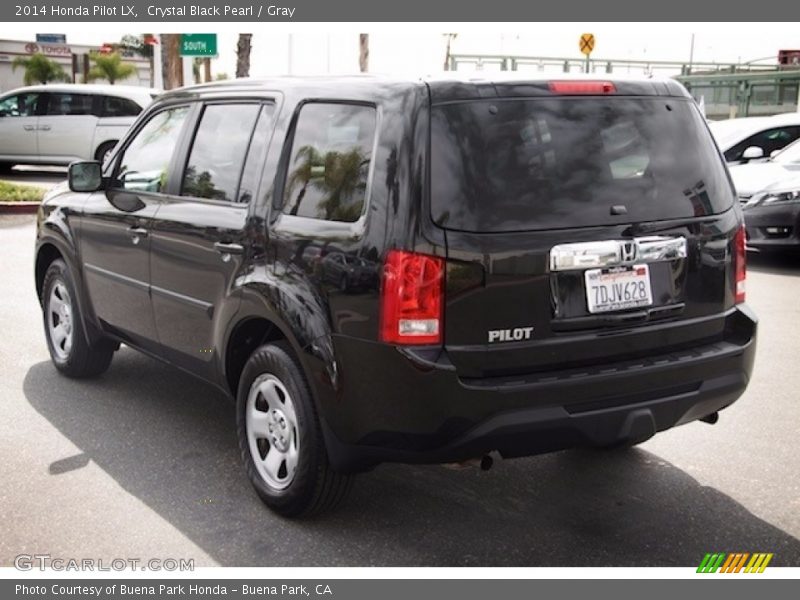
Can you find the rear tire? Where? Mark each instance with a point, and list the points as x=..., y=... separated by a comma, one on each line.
x=70, y=349
x=102, y=150
x=280, y=438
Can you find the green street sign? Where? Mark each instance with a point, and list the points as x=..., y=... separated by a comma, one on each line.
x=199, y=44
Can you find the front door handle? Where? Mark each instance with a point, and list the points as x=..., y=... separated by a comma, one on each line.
x=137, y=233
x=28, y=127
x=44, y=128
x=227, y=248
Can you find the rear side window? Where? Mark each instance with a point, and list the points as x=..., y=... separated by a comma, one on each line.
x=113, y=106
x=69, y=104
x=218, y=151
x=329, y=162
x=517, y=165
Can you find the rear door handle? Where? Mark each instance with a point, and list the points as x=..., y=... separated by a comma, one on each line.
x=227, y=248
x=29, y=127
x=137, y=233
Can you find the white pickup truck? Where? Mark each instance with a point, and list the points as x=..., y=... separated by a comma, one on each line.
x=58, y=124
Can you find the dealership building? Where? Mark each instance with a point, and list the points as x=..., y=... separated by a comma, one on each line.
x=74, y=58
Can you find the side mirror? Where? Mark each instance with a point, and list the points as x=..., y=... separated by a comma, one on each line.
x=85, y=176
x=752, y=152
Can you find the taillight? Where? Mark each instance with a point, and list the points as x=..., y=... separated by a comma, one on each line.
x=740, y=263
x=412, y=292
x=582, y=87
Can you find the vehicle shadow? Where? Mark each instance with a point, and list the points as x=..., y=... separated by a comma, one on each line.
x=775, y=263
x=169, y=441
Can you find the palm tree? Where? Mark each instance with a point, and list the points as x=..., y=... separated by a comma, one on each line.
x=140, y=45
x=39, y=69
x=309, y=160
x=110, y=67
x=171, y=60
x=363, y=52
x=450, y=37
x=243, y=47
x=338, y=176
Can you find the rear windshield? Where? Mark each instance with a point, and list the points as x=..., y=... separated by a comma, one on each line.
x=517, y=165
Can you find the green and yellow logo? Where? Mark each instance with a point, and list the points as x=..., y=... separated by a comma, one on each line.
x=736, y=562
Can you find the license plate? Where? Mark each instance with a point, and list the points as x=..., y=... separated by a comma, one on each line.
x=618, y=288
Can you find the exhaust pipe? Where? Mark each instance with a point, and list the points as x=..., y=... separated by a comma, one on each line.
x=484, y=463
x=711, y=419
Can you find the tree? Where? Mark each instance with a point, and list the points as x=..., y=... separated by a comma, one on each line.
x=39, y=69
x=110, y=67
x=171, y=60
x=450, y=37
x=243, y=47
x=139, y=45
x=338, y=176
x=363, y=52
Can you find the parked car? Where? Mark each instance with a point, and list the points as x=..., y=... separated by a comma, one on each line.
x=755, y=138
x=347, y=272
x=561, y=263
x=770, y=196
x=58, y=124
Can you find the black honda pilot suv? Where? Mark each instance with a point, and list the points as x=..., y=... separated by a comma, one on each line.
x=422, y=271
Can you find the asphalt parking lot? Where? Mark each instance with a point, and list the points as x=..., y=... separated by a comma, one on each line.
x=143, y=462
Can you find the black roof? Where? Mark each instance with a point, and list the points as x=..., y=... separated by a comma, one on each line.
x=443, y=88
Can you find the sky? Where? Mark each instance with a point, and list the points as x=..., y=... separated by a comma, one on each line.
x=419, y=49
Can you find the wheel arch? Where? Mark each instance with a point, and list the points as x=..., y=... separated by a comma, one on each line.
x=45, y=255
x=56, y=242
x=259, y=321
x=98, y=146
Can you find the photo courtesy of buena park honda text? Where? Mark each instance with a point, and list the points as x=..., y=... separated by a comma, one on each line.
x=352, y=300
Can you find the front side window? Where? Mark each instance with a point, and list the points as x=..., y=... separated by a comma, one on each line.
x=768, y=140
x=218, y=151
x=329, y=162
x=144, y=163
x=114, y=106
x=69, y=104
x=20, y=105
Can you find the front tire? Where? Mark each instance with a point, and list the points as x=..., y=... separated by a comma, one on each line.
x=70, y=349
x=280, y=438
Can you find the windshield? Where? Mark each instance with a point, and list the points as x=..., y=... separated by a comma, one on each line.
x=789, y=155
x=521, y=164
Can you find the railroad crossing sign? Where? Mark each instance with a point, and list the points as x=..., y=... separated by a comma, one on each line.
x=586, y=43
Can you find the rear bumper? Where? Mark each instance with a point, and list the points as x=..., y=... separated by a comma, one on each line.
x=406, y=409
x=773, y=226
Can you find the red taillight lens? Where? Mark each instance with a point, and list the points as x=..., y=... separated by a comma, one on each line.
x=740, y=263
x=412, y=292
x=582, y=87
